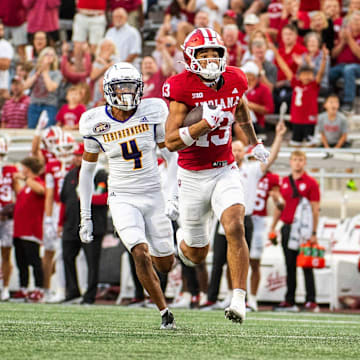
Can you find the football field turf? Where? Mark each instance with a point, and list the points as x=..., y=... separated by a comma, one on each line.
x=36, y=331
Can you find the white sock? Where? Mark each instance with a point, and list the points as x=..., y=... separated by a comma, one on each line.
x=163, y=312
x=252, y=298
x=5, y=288
x=238, y=296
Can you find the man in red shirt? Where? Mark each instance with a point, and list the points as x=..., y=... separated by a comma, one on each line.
x=14, y=112
x=347, y=56
x=207, y=173
x=294, y=189
x=288, y=51
x=28, y=225
x=233, y=46
x=304, y=107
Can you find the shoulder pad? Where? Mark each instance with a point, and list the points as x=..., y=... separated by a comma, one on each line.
x=93, y=122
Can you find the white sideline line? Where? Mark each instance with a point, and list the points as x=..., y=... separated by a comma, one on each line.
x=306, y=320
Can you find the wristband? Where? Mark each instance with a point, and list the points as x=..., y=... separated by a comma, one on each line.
x=185, y=136
x=314, y=233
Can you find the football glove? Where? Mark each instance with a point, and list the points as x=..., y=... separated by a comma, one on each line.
x=86, y=231
x=260, y=152
x=212, y=116
x=49, y=228
x=172, y=208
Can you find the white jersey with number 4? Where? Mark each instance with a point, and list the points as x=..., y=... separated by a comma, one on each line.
x=129, y=145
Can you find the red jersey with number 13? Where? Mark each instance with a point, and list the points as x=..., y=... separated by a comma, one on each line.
x=213, y=149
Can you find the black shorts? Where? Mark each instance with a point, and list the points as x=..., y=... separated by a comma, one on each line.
x=301, y=132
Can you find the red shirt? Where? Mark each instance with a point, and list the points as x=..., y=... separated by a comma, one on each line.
x=233, y=54
x=304, y=107
x=70, y=117
x=347, y=56
x=266, y=183
x=313, y=5
x=307, y=187
x=14, y=113
x=6, y=185
x=288, y=57
x=153, y=86
x=261, y=95
x=92, y=4
x=28, y=214
x=13, y=12
x=57, y=170
x=213, y=149
x=337, y=26
x=128, y=5
x=47, y=155
x=274, y=12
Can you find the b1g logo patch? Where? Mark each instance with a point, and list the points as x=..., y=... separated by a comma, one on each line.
x=101, y=127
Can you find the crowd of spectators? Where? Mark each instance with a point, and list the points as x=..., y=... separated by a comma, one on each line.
x=57, y=63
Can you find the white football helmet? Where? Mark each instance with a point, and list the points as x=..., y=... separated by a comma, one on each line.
x=50, y=136
x=64, y=147
x=204, y=38
x=123, y=86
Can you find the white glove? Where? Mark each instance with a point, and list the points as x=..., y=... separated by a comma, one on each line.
x=49, y=228
x=42, y=122
x=260, y=152
x=212, y=116
x=172, y=208
x=86, y=231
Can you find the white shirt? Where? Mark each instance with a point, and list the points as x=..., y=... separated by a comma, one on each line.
x=127, y=40
x=214, y=15
x=6, y=52
x=129, y=145
x=251, y=173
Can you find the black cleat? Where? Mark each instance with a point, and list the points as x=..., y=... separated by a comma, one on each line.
x=168, y=321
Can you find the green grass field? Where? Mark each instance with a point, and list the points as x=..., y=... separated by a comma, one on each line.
x=34, y=331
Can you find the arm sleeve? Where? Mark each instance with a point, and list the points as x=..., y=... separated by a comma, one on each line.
x=49, y=181
x=171, y=160
x=86, y=184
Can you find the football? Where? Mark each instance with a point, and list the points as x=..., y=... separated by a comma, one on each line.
x=195, y=115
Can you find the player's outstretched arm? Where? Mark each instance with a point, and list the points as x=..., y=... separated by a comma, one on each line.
x=86, y=184
x=242, y=116
x=178, y=137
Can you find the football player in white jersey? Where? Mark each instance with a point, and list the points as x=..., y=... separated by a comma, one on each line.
x=128, y=129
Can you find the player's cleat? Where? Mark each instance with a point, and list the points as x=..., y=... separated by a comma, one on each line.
x=209, y=305
x=35, y=296
x=5, y=295
x=236, y=313
x=57, y=298
x=312, y=307
x=168, y=321
x=183, y=301
x=20, y=295
x=135, y=302
x=285, y=306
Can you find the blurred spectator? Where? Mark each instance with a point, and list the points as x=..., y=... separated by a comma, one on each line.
x=230, y=18
x=134, y=8
x=155, y=76
x=332, y=124
x=6, y=55
x=288, y=52
x=14, y=112
x=43, y=15
x=89, y=24
x=106, y=56
x=313, y=59
x=176, y=13
x=322, y=26
x=69, y=114
x=251, y=22
x=304, y=107
x=255, y=6
x=346, y=54
x=354, y=5
x=258, y=36
x=43, y=81
x=13, y=15
x=69, y=225
x=272, y=19
x=85, y=92
x=66, y=14
x=167, y=51
x=306, y=5
x=332, y=10
x=215, y=9
x=258, y=49
x=235, y=51
x=39, y=43
x=22, y=70
x=126, y=38
x=28, y=225
x=259, y=96
x=72, y=73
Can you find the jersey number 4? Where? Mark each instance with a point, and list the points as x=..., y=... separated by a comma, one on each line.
x=134, y=154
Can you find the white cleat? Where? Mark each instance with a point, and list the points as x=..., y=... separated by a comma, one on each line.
x=5, y=295
x=236, y=313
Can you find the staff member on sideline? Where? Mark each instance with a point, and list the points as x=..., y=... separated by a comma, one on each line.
x=300, y=216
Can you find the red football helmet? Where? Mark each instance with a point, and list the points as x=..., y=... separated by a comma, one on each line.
x=50, y=136
x=204, y=38
x=64, y=146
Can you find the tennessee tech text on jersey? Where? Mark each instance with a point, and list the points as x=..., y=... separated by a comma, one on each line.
x=213, y=149
x=130, y=145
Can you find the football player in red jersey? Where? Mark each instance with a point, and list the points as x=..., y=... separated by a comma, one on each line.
x=208, y=176
x=8, y=186
x=55, y=171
